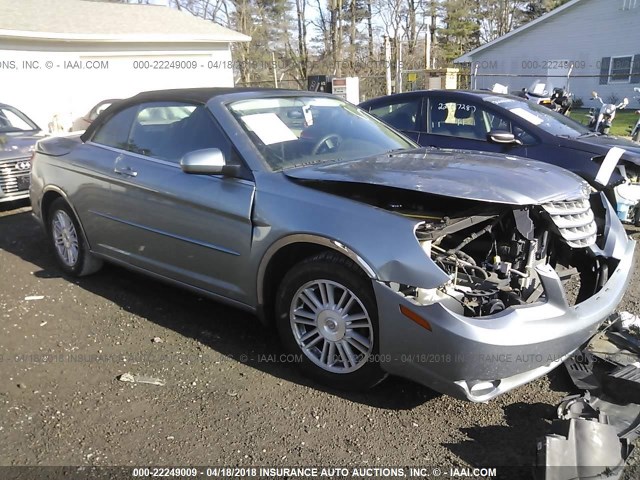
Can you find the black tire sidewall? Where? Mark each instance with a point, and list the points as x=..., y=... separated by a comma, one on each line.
x=319, y=268
x=56, y=206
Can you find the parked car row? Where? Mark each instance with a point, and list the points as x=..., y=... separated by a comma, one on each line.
x=370, y=255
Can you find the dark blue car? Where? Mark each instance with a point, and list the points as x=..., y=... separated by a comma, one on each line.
x=482, y=120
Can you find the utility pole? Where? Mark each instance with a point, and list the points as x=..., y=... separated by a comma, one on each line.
x=387, y=63
x=398, y=66
x=275, y=71
x=427, y=48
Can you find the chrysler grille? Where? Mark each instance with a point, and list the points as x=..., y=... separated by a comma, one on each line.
x=575, y=221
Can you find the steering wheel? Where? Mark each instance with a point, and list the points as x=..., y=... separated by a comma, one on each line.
x=330, y=142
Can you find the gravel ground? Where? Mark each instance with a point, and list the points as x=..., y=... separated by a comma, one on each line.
x=229, y=398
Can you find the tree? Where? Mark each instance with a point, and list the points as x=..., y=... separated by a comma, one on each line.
x=461, y=31
x=536, y=8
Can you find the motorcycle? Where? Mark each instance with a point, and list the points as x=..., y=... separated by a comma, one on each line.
x=635, y=131
x=600, y=119
x=559, y=100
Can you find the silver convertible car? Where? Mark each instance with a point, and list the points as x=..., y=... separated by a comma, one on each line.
x=470, y=273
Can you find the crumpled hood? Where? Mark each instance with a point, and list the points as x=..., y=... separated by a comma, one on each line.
x=18, y=145
x=455, y=173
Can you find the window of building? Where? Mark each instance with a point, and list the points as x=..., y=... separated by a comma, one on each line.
x=620, y=69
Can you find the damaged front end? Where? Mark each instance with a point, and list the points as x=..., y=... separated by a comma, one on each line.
x=499, y=270
x=527, y=286
x=498, y=258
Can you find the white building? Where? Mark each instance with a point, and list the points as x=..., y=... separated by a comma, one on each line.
x=601, y=38
x=59, y=58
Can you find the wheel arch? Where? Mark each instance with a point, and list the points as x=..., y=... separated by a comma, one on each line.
x=50, y=195
x=284, y=254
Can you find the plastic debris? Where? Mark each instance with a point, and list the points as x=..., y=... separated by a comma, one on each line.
x=629, y=320
x=128, y=377
x=34, y=297
x=595, y=431
x=157, y=340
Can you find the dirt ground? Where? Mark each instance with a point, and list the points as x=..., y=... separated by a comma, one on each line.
x=230, y=397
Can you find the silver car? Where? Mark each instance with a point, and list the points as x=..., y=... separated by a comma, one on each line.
x=18, y=137
x=471, y=273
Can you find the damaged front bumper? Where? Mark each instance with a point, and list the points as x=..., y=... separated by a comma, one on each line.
x=479, y=358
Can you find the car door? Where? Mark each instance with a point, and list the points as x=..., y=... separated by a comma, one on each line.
x=192, y=228
x=94, y=161
x=457, y=122
x=402, y=113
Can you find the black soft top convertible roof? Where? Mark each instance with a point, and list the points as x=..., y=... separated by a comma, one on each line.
x=191, y=95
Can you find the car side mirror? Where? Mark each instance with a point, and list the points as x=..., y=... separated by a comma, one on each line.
x=209, y=161
x=502, y=137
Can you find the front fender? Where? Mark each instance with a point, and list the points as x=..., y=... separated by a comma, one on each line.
x=381, y=242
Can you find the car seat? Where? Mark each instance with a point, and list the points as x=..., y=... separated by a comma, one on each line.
x=475, y=131
x=402, y=121
x=438, y=125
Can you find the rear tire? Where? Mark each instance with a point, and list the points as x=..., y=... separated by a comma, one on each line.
x=326, y=315
x=67, y=241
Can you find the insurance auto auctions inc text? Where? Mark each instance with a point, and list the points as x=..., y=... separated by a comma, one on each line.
x=357, y=472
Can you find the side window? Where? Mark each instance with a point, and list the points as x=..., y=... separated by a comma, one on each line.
x=402, y=116
x=168, y=130
x=496, y=122
x=115, y=132
x=458, y=118
x=525, y=137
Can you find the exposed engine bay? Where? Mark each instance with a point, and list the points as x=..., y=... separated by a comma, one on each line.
x=492, y=259
x=491, y=251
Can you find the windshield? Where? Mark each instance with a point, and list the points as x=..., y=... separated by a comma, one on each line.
x=295, y=131
x=13, y=120
x=541, y=116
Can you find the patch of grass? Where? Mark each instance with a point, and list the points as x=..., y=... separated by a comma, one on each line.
x=625, y=119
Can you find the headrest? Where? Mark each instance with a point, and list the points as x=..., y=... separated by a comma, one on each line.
x=462, y=113
x=439, y=115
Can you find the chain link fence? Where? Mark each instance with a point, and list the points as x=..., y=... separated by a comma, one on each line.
x=372, y=86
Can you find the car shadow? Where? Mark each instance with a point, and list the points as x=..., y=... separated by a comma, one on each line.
x=228, y=331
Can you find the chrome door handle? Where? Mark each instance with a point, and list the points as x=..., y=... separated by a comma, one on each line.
x=128, y=171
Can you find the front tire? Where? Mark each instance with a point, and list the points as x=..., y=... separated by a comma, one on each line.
x=326, y=314
x=68, y=243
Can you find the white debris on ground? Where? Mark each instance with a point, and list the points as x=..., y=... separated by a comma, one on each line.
x=630, y=322
x=128, y=377
x=34, y=297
